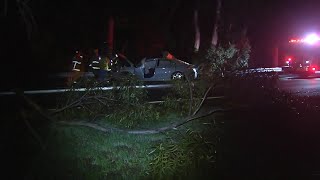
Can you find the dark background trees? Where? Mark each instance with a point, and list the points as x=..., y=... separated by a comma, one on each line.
x=142, y=28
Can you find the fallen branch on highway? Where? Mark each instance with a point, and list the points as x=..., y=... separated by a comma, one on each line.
x=149, y=131
x=174, y=126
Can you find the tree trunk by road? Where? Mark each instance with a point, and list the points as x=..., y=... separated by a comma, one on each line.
x=214, y=40
x=197, y=32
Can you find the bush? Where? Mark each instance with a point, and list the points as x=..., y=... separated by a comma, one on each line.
x=179, y=98
x=191, y=154
x=124, y=105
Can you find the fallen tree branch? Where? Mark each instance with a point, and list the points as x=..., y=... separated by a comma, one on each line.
x=91, y=125
x=192, y=118
x=77, y=102
x=111, y=129
x=34, y=105
x=35, y=134
x=191, y=95
x=102, y=99
x=142, y=132
x=73, y=104
x=203, y=99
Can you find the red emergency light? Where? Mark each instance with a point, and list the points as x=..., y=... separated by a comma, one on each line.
x=288, y=59
x=294, y=40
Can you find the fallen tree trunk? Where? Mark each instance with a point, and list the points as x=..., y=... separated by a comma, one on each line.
x=148, y=131
x=173, y=126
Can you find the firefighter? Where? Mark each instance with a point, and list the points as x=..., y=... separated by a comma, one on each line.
x=105, y=66
x=77, y=62
x=95, y=63
x=77, y=68
x=114, y=63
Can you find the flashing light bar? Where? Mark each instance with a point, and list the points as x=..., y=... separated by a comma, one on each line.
x=310, y=39
x=296, y=40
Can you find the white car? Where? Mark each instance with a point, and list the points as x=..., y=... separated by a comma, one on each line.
x=158, y=69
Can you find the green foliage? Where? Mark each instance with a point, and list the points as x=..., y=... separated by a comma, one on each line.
x=130, y=116
x=82, y=153
x=243, y=55
x=183, y=158
x=179, y=98
x=124, y=105
x=126, y=91
x=77, y=104
x=225, y=58
x=219, y=57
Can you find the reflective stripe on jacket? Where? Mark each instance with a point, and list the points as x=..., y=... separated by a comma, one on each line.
x=76, y=65
x=95, y=64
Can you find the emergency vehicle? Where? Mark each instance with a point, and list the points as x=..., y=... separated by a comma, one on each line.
x=302, y=55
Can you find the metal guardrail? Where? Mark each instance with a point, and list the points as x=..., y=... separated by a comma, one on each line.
x=214, y=97
x=49, y=91
x=275, y=69
x=156, y=86
x=69, y=74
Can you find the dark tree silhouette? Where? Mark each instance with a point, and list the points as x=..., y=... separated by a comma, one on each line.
x=25, y=13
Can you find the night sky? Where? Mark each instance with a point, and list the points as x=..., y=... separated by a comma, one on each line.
x=63, y=26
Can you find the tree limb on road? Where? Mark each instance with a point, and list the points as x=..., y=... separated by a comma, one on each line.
x=111, y=129
x=203, y=99
x=142, y=132
x=173, y=126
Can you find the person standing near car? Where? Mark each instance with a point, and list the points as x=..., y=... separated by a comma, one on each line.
x=95, y=62
x=77, y=68
x=114, y=65
x=104, y=65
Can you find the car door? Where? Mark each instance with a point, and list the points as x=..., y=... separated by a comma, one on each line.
x=149, y=69
x=164, y=69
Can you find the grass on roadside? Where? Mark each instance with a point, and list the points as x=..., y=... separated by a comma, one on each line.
x=83, y=153
x=75, y=152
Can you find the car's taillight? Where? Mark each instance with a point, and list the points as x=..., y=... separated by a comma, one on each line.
x=313, y=69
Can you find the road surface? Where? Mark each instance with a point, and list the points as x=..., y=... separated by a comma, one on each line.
x=300, y=86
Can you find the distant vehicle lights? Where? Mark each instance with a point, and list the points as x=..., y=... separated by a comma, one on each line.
x=310, y=39
x=289, y=59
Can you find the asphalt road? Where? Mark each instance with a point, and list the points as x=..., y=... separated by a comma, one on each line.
x=303, y=86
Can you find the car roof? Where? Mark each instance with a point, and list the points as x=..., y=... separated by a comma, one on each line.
x=180, y=61
x=148, y=59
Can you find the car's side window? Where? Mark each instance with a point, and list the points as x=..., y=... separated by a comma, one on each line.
x=163, y=63
x=150, y=63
